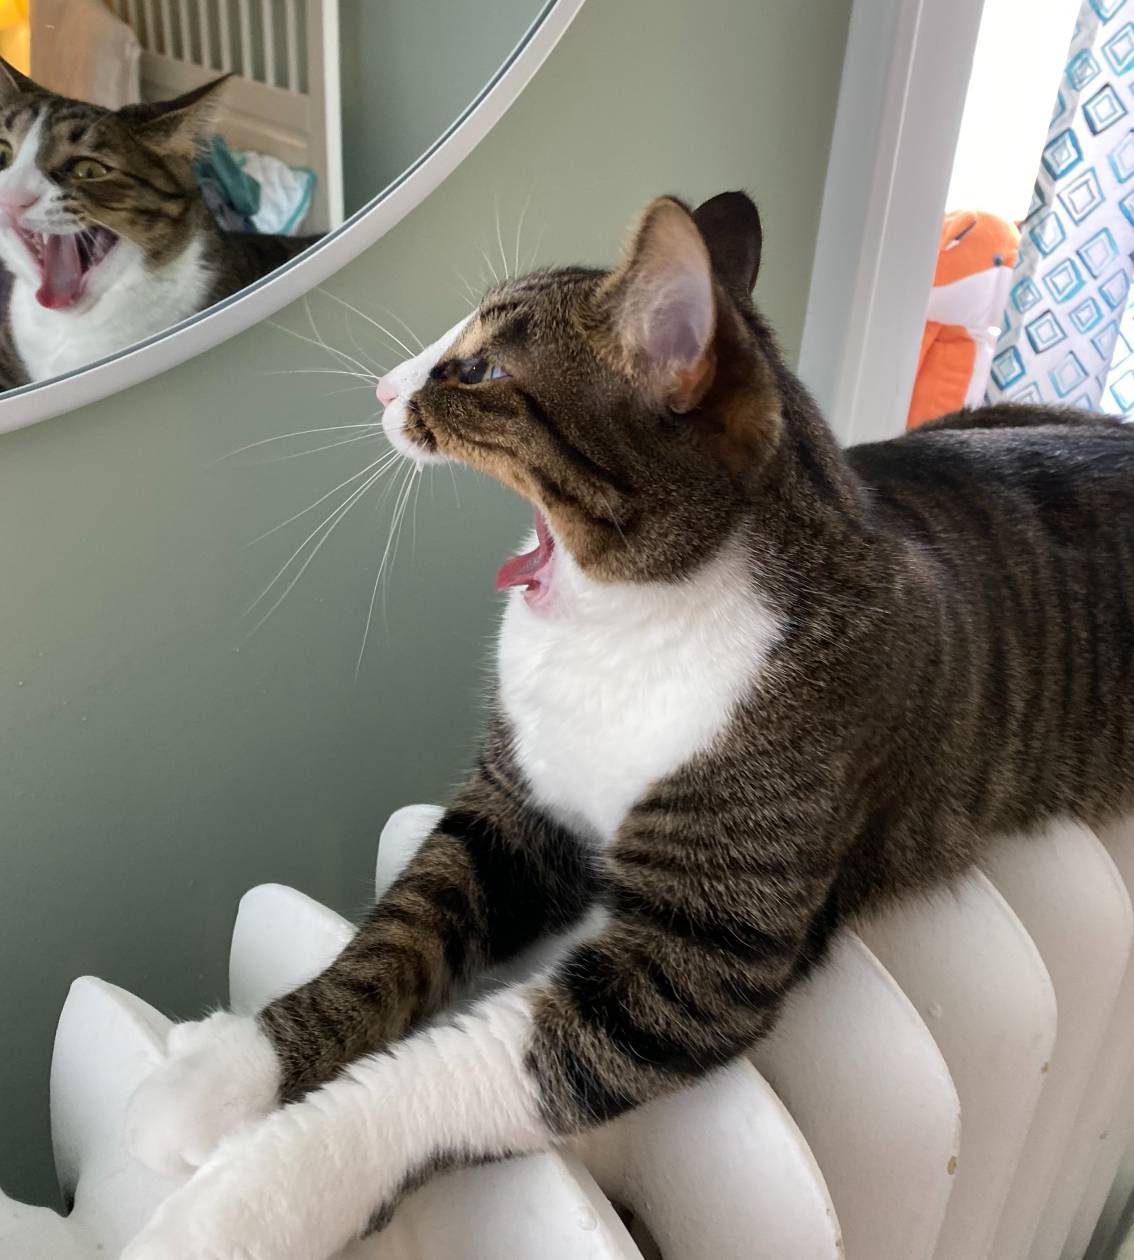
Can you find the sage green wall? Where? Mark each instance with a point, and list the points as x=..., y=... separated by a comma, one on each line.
x=409, y=67
x=156, y=759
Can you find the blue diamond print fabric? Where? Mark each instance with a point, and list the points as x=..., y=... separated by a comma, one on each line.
x=1068, y=333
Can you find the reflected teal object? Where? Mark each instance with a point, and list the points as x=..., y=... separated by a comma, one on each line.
x=240, y=191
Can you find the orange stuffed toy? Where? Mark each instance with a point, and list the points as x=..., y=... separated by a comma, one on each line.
x=970, y=290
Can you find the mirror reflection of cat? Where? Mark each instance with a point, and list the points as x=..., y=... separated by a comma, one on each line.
x=104, y=230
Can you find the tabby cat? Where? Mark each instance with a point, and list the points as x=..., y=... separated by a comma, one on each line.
x=749, y=685
x=103, y=229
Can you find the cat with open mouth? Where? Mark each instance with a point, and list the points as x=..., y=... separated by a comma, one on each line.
x=103, y=228
x=749, y=686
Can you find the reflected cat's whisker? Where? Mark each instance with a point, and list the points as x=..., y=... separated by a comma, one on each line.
x=390, y=457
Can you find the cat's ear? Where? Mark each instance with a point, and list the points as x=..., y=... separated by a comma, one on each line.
x=661, y=308
x=13, y=83
x=174, y=127
x=730, y=226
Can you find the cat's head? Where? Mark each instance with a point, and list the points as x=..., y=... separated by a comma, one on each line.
x=86, y=190
x=634, y=408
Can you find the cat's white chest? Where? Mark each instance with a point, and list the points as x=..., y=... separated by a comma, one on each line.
x=619, y=685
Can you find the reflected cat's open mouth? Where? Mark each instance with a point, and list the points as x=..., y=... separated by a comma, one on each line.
x=532, y=570
x=65, y=261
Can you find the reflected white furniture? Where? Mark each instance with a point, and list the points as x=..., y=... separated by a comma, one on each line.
x=287, y=105
x=956, y=1082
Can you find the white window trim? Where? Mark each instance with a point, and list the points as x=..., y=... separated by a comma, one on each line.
x=901, y=98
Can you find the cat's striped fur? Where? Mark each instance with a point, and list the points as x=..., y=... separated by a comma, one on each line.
x=946, y=656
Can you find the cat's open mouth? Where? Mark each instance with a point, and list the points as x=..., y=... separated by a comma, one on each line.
x=532, y=570
x=65, y=261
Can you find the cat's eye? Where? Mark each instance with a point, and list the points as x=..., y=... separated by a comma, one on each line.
x=88, y=168
x=5, y=154
x=476, y=371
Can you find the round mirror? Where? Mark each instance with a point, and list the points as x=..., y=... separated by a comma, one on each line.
x=172, y=171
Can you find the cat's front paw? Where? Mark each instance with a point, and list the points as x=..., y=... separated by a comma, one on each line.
x=220, y=1075
x=300, y=1185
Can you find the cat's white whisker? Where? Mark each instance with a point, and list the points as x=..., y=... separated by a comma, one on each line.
x=333, y=350
x=383, y=329
x=471, y=296
x=280, y=437
x=395, y=315
x=335, y=517
x=370, y=320
x=484, y=255
x=339, y=354
x=412, y=487
x=366, y=378
x=499, y=238
x=386, y=460
x=535, y=251
x=613, y=516
x=355, y=343
x=390, y=541
x=520, y=226
x=327, y=446
x=413, y=517
x=365, y=365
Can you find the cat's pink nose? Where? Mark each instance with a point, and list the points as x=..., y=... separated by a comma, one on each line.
x=17, y=200
x=387, y=391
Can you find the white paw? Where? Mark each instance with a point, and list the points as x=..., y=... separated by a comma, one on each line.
x=220, y=1076
x=298, y=1186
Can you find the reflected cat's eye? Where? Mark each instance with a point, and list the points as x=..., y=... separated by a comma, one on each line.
x=88, y=168
x=5, y=154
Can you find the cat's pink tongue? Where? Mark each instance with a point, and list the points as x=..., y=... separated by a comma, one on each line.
x=532, y=570
x=61, y=272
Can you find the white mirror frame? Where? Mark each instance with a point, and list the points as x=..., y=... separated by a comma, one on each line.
x=31, y=403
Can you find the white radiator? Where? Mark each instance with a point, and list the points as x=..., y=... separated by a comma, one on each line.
x=957, y=1083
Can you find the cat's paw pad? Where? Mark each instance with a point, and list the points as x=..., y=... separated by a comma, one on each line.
x=220, y=1075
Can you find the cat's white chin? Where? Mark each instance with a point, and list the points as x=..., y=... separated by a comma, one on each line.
x=220, y=1076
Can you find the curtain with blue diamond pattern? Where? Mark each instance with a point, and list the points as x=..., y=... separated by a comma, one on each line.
x=1068, y=333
